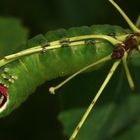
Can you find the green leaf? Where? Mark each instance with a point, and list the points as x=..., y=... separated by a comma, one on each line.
x=116, y=114
x=12, y=35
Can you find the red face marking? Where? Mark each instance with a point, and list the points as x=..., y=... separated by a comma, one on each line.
x=3, y=95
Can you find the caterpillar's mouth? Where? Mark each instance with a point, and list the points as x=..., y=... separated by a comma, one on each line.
x=3, y=96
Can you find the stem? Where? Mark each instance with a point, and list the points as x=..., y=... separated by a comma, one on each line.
x=126, y=18
x=128, y=74
x=139, y=47
x=107, y=79
x=53, y=89
x=105, y=37
x=138, y=22
x=79, y=40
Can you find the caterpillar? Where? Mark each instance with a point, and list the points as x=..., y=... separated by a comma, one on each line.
x=66, y=52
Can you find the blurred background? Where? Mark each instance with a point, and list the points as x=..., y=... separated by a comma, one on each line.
x=36, y=119
x=43, y=15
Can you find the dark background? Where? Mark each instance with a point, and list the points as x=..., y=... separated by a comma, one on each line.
x=43, y=15
x=37, y=118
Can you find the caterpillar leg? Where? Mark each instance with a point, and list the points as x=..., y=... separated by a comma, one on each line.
x=130, y=23
x=107, y=79
x=53, y=89
x=128, y=75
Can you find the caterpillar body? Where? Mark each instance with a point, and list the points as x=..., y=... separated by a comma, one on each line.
x=36, y=68
x=64, y=52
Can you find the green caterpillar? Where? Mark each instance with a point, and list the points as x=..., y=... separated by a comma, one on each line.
x=36, y=68
x=65, y=52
